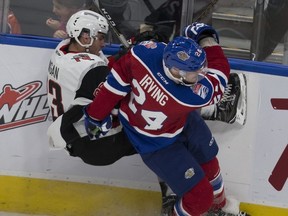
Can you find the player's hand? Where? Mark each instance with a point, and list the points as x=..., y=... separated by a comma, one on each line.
x=122, y=51
x=95, y=128
x=198, y=31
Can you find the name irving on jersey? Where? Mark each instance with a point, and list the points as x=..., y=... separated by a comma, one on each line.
x=151, y=88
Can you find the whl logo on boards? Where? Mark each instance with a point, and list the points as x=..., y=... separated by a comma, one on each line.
x=20, y=106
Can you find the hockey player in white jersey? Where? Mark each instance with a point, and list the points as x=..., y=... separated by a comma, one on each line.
x=76, y=68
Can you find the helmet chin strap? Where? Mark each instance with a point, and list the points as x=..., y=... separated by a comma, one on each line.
x=184, y=82
x=182, y=77
x=169, y=75
x=86, y=46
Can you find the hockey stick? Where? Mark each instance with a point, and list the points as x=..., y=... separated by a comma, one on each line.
x=112, y=24
x=149, y=5
x=206, y=11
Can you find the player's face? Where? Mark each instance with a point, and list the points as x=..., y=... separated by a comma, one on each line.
x=188, y=77
x=98, y=43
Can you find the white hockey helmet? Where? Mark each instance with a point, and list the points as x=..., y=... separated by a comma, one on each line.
x=86, y=20
x=112, y=3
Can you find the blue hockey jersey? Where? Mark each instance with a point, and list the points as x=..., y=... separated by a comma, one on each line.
x=154, y=108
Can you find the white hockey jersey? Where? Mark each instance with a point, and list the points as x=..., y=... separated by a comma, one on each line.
x=65, y=74
x=72, y=80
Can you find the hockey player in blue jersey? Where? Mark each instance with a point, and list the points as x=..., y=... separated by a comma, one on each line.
x=159, y=88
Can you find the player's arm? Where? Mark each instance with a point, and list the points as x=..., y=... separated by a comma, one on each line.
x=107, y=96
x=207, y=37
x=90, y=82
x=219, y=69
x=112, y=91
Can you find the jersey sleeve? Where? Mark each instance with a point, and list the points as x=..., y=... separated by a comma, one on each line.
x=218, y=70
x=217, y=60
x=116, y=87
x=92, y=79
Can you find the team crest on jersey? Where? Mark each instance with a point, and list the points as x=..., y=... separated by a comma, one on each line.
x=189, y=173
x=200, y=90
x=183, y=55
x=149, y=44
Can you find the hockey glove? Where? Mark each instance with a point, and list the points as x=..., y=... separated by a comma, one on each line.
x=153, y=35
x=198, y=31
x=96, y=128
x=122, y=51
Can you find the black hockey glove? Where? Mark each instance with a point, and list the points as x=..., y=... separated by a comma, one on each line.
x=153, y=35
x=122, y=51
